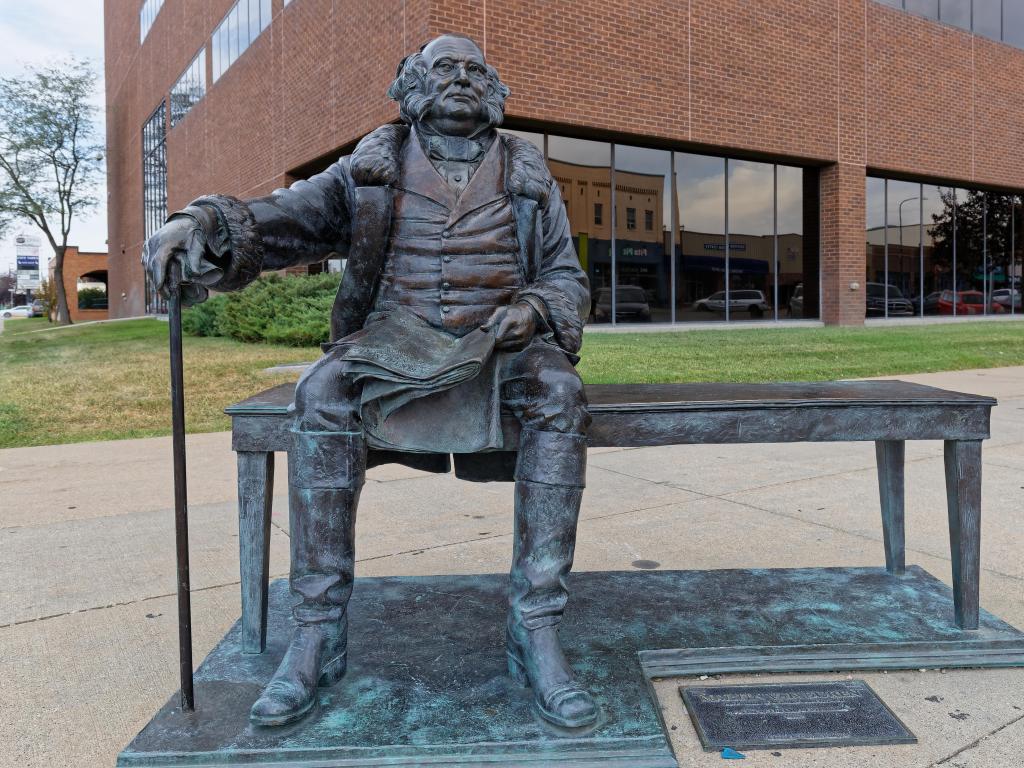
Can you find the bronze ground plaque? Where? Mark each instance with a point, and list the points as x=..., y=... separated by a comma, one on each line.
x=830, y=714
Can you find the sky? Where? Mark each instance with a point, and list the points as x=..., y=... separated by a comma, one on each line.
x=43, y=32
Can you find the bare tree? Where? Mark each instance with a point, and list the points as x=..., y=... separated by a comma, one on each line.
x=50, y=161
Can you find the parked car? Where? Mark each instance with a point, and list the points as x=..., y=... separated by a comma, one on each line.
x=740, y=300
x=630, y=304
x=39, y=308
x=16, y=312
x=899, y=305
x=967, y=303
x=1007, y=297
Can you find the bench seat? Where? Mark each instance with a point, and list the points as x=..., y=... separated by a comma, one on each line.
x=636, y=415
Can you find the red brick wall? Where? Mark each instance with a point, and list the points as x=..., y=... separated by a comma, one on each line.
x=76, y=264
x=822, y=82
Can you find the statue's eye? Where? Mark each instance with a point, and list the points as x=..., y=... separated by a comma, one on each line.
x=443, y=66
x=476, y=70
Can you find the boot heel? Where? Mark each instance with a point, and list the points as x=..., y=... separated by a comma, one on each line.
x=333, y=671
x=516, y=670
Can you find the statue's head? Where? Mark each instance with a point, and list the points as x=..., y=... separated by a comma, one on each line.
x=449, y=86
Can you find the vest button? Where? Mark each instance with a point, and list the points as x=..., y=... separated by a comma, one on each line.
x=445, y=286
x=444, y=310
x=446, y=233
x=446, y=259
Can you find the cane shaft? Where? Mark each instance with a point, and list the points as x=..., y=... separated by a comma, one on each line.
x=180, y=494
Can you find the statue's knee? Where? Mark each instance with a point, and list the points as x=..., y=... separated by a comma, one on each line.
x=562, y=405
x=324, y=401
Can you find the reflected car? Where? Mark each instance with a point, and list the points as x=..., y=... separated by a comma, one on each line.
x=967, y=303
x=13, y=312
x=796, y=301
x=899, y=305
x=740, y=300
x=1007, y=297
x=931, y=303
x=630, y=304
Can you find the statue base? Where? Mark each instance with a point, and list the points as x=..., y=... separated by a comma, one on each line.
x=427, y=681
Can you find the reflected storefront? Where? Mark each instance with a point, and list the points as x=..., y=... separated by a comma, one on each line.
x=934, y=250
x=677, y=237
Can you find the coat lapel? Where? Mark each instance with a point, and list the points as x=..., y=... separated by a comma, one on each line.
x=421, y=178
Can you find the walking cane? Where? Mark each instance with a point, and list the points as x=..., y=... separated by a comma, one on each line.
x=180, y=492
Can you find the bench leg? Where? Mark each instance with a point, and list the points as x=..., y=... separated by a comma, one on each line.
x=889, y=455
x=963, y=498
x=255, y=497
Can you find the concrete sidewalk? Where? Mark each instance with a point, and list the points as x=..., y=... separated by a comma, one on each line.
x=88, y=639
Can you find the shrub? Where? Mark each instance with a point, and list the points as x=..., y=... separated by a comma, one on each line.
x=295, y=311
x=203, y=319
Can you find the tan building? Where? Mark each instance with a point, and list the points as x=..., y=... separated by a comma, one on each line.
x=85, y=283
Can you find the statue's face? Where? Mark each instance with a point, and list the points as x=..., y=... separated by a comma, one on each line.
x=456, y=81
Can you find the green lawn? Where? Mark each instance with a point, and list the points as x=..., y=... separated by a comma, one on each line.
x=109, y=381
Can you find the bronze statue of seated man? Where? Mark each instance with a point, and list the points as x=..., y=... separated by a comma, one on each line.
x=458, y=248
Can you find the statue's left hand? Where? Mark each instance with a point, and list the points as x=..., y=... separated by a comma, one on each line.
x=513, y=325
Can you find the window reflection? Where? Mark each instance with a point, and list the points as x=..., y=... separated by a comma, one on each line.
x=643, y=241
x=795, y=267
x=929, y=8
x=956, y=12
x=582, y=170
x=969, y=241
x=1017, y=256
x=988, y=18
x=751, y=240
x=938, y=246
x=996, y=282
x=1013, y=22
x=700, y=269
x=898, y=283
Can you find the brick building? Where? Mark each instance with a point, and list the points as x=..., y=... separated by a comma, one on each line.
x=85, y=284
x=809, y=158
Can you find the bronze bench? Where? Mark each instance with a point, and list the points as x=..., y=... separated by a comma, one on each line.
x=635, y=415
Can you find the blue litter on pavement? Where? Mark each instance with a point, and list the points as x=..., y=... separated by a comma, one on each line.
x=728, y=753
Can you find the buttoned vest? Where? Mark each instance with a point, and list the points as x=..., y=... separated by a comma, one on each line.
x=450, y=259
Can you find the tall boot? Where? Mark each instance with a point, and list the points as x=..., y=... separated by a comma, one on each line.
x=326, y=473
x=550, y=476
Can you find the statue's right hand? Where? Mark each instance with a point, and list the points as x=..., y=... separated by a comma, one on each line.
x=181, y=240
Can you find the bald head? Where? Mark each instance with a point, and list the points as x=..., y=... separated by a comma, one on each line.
x=449, y=86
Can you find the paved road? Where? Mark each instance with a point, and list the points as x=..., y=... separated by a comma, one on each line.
x=87, y=608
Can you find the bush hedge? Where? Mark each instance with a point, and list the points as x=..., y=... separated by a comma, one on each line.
x=294, y=311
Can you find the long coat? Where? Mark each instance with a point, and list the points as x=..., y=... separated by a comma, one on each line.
x=345, y=212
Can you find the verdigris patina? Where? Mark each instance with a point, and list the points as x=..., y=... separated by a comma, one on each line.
x=462, y=296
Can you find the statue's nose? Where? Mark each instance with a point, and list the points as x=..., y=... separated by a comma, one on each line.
x=461, y=75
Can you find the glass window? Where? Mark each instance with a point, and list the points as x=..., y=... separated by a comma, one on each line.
x=265, y=13
x=700, y=269
x=254, y=20
x=189, y=89
x=929, y=8
x=582, y=170
x=643, y=258
x=956, y=12
x=147, y=15
x=796, y=262
x=877, y=237
x=937, y=254
x=1013, y=22
x=751, y=240
x=969, y=239
x=893, y=3
x=154, y=188
x=988, y=18
x=1017, y=256
x=900, y=276
x=999, y=212
x=598, y=214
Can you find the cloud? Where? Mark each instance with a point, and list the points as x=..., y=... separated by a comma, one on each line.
x=43, y=32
